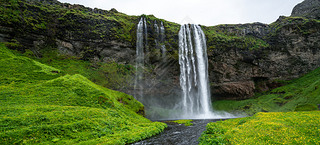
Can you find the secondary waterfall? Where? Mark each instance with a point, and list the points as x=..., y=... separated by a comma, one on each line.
x=193, y=62
x=140, y=45
x=160, y=38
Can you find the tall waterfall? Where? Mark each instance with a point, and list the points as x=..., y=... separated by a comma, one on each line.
x=140, y=45
x=195, y=99
x=194, y=72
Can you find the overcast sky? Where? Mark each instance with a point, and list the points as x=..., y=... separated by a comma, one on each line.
x=205, y=12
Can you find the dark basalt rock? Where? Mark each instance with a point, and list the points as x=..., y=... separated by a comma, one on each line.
x=233, y=90
x=294, y=50
x=308, y=8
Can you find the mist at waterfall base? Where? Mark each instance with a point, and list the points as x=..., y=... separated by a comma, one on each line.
x=192, y=99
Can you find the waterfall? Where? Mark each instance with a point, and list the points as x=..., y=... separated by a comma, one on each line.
x=195, y=102
x=157, y=34
x=162, y=38
x=146, y=39
x=194, y=72
x=138, y=86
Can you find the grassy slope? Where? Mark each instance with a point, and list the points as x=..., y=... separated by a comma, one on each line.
x=266, y=128
x=39, y=105
x=299, y=94
x=110, y=75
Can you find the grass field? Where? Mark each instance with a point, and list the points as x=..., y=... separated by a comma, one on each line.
x=266, y=128
x=41, y=105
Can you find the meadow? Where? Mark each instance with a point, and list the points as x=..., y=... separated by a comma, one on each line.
x=266, y=128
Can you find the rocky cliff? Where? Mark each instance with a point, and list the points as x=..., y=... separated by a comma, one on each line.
x=93, y=35
x=243, y=59
x=308, y=8
x=288, y=48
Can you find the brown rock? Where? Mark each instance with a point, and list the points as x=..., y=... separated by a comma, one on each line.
x=233, y=90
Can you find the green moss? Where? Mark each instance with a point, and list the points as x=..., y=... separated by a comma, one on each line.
x=220, y=39
x=40, y=105
x=185, y=122
x=299, y=25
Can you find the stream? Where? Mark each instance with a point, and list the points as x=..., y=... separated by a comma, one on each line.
x=179, y=134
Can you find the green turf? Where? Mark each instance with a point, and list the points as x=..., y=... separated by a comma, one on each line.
x=266, y=128
x=41, y=105
x=185, y=122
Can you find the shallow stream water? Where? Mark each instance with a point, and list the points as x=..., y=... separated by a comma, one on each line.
x=179, y=134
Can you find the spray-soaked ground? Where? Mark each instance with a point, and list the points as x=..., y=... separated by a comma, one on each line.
x=179, y=134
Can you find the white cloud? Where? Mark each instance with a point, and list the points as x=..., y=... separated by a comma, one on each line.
x=205, y=12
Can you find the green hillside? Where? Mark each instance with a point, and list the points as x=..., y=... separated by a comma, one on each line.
x=41, y=105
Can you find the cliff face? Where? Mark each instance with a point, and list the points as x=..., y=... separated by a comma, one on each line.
x=308, y=8
x=243, y=59
x=293, y=49
x=73, y=29
x=94, y=35
x=90, y=34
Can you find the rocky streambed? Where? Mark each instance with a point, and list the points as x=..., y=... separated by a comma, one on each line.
x=179, y=134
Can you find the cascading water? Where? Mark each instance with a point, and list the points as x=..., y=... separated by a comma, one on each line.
x=195, y=101
x=157, y=32
x=193, y=60
x=146, y=39
x=162, y=38
x=138, y=86
x=194, y=71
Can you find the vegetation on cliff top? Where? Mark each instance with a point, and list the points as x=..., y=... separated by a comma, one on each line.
x=298, y=25
x=59, y=20
x=266, y=128
x=220, y=39
x=41, y=105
